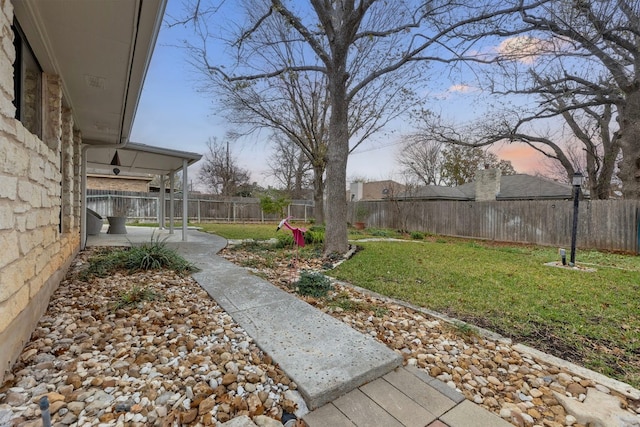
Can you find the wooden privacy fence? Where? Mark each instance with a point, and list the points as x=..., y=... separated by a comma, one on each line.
x=200, y=208
x=602, y=224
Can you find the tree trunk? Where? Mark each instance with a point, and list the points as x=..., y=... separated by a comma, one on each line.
x=337, y=153
x=629, y=120
x=318, y=194
x=602, y=189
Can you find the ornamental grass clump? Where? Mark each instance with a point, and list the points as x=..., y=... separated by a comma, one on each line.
x=154, y=255
x=135, y=295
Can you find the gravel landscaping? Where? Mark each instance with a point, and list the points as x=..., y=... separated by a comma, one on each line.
x=174, y=358
x=152, y=348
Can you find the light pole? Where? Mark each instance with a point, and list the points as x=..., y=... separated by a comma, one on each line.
x=577, y=181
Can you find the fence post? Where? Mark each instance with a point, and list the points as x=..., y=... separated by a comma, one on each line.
x=198, y=202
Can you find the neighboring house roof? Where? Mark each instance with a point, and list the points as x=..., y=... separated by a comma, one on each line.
x=512, y=187
x=101, y=51
x=525, y=187
x=435, y=192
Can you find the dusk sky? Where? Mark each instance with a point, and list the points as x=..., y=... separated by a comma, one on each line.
x=173, y=114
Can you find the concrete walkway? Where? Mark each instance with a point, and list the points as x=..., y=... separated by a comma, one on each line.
x=346, y=377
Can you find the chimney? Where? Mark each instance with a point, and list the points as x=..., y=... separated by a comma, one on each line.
x=356, y=190
x=487, y=184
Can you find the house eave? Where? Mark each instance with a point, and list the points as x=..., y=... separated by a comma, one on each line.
x=101, y=51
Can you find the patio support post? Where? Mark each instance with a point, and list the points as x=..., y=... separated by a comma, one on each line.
x=172, y=210
x=185, y=199
x=161, y=219
x=83, y=197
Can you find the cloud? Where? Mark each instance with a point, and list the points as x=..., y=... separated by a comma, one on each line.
x=525, y=49
x=462, y=88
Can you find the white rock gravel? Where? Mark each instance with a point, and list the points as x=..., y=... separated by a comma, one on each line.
x=176, y=360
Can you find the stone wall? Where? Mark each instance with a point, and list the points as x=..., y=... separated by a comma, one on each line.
x=118, y=183
x=38, y=180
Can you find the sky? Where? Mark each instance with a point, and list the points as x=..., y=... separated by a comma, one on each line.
x=173, y=114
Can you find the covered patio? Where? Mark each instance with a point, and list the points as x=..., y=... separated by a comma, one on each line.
x=137, y=235
x=136, y=158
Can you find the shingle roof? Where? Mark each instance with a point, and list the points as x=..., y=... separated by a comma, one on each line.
x=512, y=187
x=434, y=192
x=525, y=187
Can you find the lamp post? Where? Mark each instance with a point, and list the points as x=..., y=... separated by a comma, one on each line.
x=577, y=181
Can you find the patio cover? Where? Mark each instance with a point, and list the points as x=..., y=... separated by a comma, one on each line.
x=136, y=158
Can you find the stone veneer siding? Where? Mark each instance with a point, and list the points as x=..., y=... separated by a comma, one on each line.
x=38, y=179
x=119, y=183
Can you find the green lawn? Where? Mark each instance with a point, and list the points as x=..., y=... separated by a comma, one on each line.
x=242, y=231
x=592, y=319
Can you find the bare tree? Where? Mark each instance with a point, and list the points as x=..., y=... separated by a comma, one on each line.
x=295, y=108
x=581, y=60
x=421, y=160
x=433, y=162
x=291, y=168
x=220, y=172
x=578, y=61
x=296, y=104
x=601, y=37
x=357, y=46
x=572, y=136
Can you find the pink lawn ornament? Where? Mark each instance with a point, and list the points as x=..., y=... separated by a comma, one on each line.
x=298, y=233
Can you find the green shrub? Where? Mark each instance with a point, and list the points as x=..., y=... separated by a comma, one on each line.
x=284, y=240
x=274, y=203
x=417, y=235
x=380, y=233
x=313, y=284
x=314, y=235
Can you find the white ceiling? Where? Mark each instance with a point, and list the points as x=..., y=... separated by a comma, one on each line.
x=101, y=50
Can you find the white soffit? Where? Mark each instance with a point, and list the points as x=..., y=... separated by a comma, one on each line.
x=101, y=50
